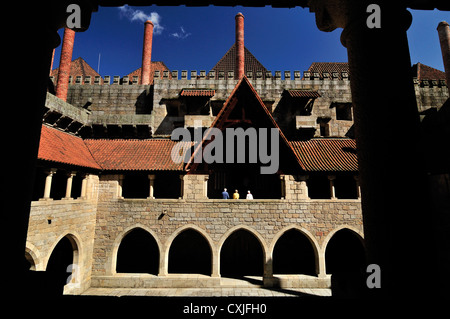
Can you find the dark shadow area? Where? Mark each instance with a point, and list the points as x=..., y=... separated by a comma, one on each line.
x=241, y=255
x=190, y=254
x=345, y=260
x=318, y=187
x=136, y=186
x=138, y=253
x=293, y=254
x=60, y=259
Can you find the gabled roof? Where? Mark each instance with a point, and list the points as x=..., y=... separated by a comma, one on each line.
x=155, y=66
x=78, y=67
x=222, y=117
x=425, y=72
x=327, y=154
x=228, y=63
x=152, y=154
x=61, y=147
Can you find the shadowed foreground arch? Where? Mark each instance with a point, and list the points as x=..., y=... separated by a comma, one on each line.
x=190, y=253
x=345, y=260
x=241, y=255
x=294, y=254
x=138, y=253
x=65, y=253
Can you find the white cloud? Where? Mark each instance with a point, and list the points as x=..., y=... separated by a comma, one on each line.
x=181, y=35
x=140, y=16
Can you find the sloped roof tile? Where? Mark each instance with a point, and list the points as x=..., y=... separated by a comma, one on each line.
x=61, y=147
x=152, y=154
x=327, y=154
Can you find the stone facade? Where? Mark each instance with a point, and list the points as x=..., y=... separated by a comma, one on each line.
x=97, y=225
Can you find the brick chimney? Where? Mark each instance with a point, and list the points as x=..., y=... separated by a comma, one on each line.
x=64, y=64
x=444, y=37
x=240, y=53
x=147, y=53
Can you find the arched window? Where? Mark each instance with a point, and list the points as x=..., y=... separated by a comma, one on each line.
x=138, y=253
x=190, y=253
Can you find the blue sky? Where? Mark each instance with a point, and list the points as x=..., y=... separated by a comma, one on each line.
x=195, y=38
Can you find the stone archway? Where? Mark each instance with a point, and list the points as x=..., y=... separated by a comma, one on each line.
x=242, y=254
x=190, y=252
x=138, y=252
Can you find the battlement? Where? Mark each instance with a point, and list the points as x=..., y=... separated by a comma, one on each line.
x=211, y=75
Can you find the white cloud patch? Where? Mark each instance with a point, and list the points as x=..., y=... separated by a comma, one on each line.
x=140, y=16
x=180, y=35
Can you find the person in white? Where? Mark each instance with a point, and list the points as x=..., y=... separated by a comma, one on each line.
x=249, y=195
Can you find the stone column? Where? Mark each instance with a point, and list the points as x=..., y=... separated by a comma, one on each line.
x=320, y=265
x=205, y=186
x=215, y=272
x=119, y=187
x=84, y=186
x=331, y=178
x=283, y=186
x=69, y=185
x=358, y=188
x=151, y=178
x=48, y=184
x=181, y=187
x=391, y=174
x=303, y=187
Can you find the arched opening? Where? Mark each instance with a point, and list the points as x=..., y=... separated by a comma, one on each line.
x=345, y=260
x=241, y=255
x=138, y=253
x=29, y=258
x=190, y=253
x=294, y=254
x=62, y=256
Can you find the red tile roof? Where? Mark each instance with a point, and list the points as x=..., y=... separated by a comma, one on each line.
x=58, y=146
x=152, y=154
x=330, y=67
x=303, y=93
x=327, y=154
x=425, y=72
x=198, y=92
x=79, y=67
x=155, y=66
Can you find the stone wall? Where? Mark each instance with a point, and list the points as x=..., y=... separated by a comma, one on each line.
x=51, y=220
x=164, y=219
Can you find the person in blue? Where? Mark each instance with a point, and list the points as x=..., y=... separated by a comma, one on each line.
x=225, y=194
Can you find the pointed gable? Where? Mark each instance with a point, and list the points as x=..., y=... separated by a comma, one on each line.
x=244, y=108
x=228, y=63
x=79, y=67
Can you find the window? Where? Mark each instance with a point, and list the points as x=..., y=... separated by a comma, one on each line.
x=344, y=111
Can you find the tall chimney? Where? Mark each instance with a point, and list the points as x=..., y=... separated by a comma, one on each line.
x=444, y=37
x=64, y=64
x=147, y=53
x=240, y=53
